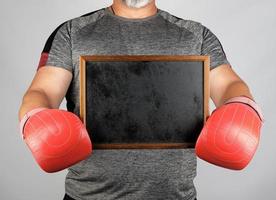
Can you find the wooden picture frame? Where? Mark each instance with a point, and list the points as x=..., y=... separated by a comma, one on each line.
x=193, y=62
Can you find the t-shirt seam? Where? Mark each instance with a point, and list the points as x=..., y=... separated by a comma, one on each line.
x=54, y=64
x=182, y=27
x=101, y=15
x=82, y=17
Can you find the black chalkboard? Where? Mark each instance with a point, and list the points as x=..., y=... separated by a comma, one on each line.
x=144, y=101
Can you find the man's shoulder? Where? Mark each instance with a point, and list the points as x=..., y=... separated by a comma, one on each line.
x=189, y=24
x=79, y=22
x=87, y=18
x=91, y=16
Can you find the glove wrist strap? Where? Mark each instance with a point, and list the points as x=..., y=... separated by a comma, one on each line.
x=26, y=117
x=248, y=101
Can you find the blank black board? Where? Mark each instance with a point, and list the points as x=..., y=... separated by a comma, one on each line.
x=144, y=101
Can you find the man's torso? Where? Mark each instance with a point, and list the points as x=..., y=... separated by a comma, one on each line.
x=131, y=174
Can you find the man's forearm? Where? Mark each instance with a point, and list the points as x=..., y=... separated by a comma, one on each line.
x=33, y=99
x=237, y=88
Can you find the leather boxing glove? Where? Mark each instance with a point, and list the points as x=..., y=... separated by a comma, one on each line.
x=56, y=138
x=231, y=134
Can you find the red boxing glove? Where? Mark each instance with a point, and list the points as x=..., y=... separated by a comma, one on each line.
x=56, y=138
x=231, y=134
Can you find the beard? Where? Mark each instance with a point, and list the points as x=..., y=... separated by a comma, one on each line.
x=136, y=3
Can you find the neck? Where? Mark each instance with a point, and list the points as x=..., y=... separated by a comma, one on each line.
x=123, y=10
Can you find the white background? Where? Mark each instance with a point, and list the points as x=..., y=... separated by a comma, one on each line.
x=247, y=31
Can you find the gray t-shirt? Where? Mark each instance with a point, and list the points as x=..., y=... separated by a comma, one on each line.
x=129, y=174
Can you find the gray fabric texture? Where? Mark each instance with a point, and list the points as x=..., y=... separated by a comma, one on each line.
x=130, y=174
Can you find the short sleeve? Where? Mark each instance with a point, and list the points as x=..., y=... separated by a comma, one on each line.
x=211, y=46
x=57, y=50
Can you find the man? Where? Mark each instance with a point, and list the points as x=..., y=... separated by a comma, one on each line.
x=132, y=27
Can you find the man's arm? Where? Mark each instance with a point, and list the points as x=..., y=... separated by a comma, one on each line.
x=47, y=89
x=225, y=84
x=231, y=134
x=57, y=138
